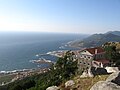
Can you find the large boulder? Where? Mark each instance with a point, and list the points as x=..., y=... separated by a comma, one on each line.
x=112, y=69
x=90, y=73
x=111, y=83
x=69, y=83
x=103, y=85
x=53, y=88
x=84, y=74
x=87, y=73
x=114, y=77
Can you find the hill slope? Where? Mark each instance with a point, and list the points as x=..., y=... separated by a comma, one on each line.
x=114, y=32
x=84, y=83
x=97, y=39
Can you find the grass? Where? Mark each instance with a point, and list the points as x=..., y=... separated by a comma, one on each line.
x=84, y=83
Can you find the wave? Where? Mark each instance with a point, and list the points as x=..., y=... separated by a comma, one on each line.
x=14, y=71
x=42, y=61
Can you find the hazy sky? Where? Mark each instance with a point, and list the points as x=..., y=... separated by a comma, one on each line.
x=69, y=16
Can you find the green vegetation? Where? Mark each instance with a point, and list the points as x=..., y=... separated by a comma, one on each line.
x=23, y=85
x=116, y=44
x=20, y=84
x=6, y=78
x=96, y=40
x=63, y=70
x=113, y=55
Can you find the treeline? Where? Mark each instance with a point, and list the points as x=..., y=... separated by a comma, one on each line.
x=112, y=53
x=63, y=70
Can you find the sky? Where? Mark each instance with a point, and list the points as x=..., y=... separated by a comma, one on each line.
x=66, y=16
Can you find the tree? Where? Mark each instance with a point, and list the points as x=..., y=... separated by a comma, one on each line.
x=112, y=55
x=28, y=84
x=66, y=65
x=16, y=87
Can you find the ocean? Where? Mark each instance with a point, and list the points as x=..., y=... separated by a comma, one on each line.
x=18, y=48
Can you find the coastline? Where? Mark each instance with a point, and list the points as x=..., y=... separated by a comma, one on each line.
x=23, y=73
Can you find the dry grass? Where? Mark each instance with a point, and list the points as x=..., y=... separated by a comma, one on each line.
x=84, y=83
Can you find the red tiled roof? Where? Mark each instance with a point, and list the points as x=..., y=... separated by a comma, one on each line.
x=92, y=50
x=103, y=61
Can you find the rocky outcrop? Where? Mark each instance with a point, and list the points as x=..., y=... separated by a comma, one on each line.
x=69, y=83
x=84, y=74
x=114, y=77
x=52, y=88
x=112, y=69
x=92, y=71
x=87, y=73
x=104, y=85
x=111, y=83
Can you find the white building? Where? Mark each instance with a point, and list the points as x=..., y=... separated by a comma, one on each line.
x=91, y=57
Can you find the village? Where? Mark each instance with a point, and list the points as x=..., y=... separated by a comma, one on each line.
x=93, y=60
x=96, y=71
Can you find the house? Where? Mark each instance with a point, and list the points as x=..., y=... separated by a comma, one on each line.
x=91, y=57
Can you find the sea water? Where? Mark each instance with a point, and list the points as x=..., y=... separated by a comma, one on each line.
x=18, y=48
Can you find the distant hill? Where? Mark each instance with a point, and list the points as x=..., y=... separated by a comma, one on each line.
x=97, y=39
x=114, y=32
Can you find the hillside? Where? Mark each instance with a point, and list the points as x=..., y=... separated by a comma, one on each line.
x=114, y=32
x=84, y=83
x=97, y=39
